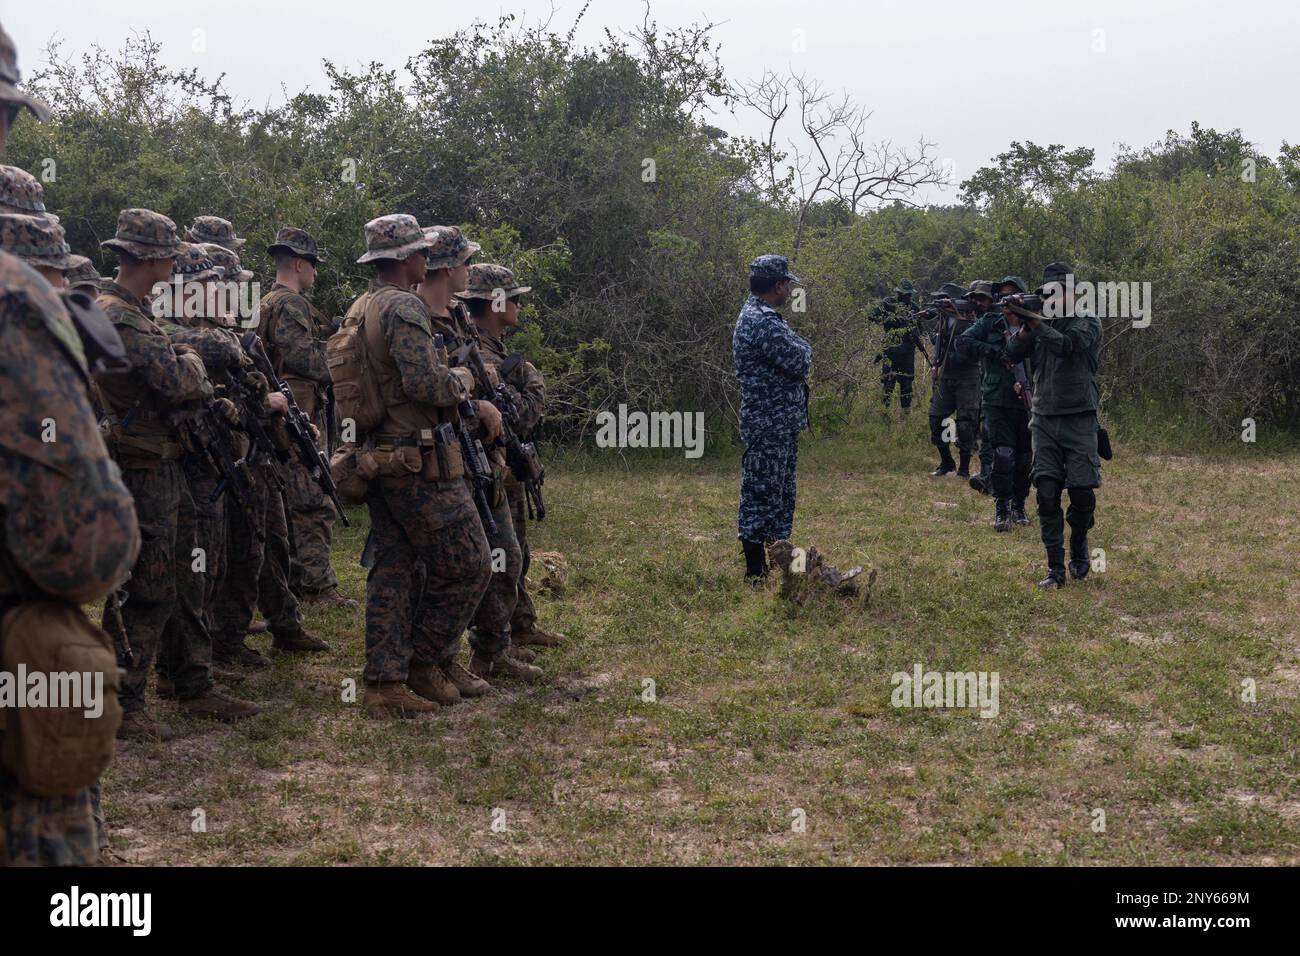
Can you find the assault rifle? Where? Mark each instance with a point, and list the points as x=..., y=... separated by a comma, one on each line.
x=478, y=470
x=210, y=435
x=1029, y=306
x=1024, y=390
x=521, y=457
x=299, y=427
x=121, y=641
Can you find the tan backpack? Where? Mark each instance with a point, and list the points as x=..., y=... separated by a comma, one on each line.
x=356, y=392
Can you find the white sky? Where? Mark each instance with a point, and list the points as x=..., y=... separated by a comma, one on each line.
x=1008, y=70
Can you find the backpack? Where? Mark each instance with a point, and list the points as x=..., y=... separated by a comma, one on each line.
x=356, y=392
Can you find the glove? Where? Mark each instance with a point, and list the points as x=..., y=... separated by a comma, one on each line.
x=228, y=410
x=489, y=420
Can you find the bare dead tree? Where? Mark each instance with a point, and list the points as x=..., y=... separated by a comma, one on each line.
x=829, y=155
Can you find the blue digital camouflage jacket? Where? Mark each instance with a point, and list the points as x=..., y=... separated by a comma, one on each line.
x=772, y=363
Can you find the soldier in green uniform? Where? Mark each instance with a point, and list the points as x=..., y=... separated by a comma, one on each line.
x=956, y=387
x=1005, y=413
x=898, y=357
x=1064, y=351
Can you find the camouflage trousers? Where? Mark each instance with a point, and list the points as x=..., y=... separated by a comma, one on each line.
x=161, y=575
x=257, y=575
x=187, y=647
x=767, y=486
x=961, y=399
x=524, y=617
x=46, y=831
x=311, y=524
x=431, y=568
x=492, y=620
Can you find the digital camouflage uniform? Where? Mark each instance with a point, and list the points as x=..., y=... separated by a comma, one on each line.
x=259, y=578
x=21, y=192
x=414, y=520
x=956, y=390
x=1064, y=353
x=70, y=531
x=772, y=365
x=294, y=333
x=144, y=441
x=528, y=390
x=898, y=357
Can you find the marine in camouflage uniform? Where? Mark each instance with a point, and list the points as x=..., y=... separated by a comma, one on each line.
x=70, y=531
x=772, y=365
x=141, y=406
x=258, y=576
x=898, y=357
x=448, y=271
x=1005, y=416
x=213, y=230
x=429, y=557
x=294, y=333
x=492, y=298
x=956, y=389
x=81, y=276
x=1064, y=352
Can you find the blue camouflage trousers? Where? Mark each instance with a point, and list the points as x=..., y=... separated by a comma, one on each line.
x=767, y=486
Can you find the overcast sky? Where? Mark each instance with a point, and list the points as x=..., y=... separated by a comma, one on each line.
x=968, y=77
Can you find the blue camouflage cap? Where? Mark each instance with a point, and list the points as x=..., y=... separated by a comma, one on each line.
x=772, y=267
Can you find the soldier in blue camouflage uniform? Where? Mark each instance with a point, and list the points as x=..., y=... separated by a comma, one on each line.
x=772, y=365
x=1064, y=352
x=70, y=531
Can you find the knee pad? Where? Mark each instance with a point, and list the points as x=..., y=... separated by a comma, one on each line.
x=1049, y=496
x=1083, y=499
x=1004, y=460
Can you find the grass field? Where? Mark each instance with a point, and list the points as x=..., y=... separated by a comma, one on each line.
x=1123, y=694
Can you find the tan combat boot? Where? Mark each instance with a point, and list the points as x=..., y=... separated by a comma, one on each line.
x=524, y=655
x=166, y=689
x=538, y=636
x=138, y=725
x=330, y=597
x=429, y=681
x=501, y=664
x=466, y=683
x=258, y=627
x=217, y=704
x=394, y=699
x=297, y=641
x=241, y=656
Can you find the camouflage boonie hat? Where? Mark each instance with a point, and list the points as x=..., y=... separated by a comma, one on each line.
x=214, y=229
x=394, y=237
x=1016, y=281
x=904, y=287
x=297, y=241
x=145, y=234
x=35, y=240
x=981, y=287
x=225, y=262
x=81, y=271
x=20, y=191
x=772, y=267
x=10, y=77
x=193, y=264
x=487, y=280
x=449, y=249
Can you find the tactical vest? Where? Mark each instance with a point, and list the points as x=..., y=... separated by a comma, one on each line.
x=306, y=392
x=140, y=433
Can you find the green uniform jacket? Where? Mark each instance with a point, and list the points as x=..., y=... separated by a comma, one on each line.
x=1064, y=354
x=900, y=343
x=957, y=368
x=985, y=341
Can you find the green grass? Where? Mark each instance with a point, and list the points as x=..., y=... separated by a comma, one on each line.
x=1122, y=693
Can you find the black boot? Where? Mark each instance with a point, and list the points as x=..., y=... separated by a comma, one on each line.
x=1080, y=560
x=1018, y=515
x=946, y=465
x=983, y=482
x=1055, y=570
x=963, y=471
x=755, y=560
x=1002, y=516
